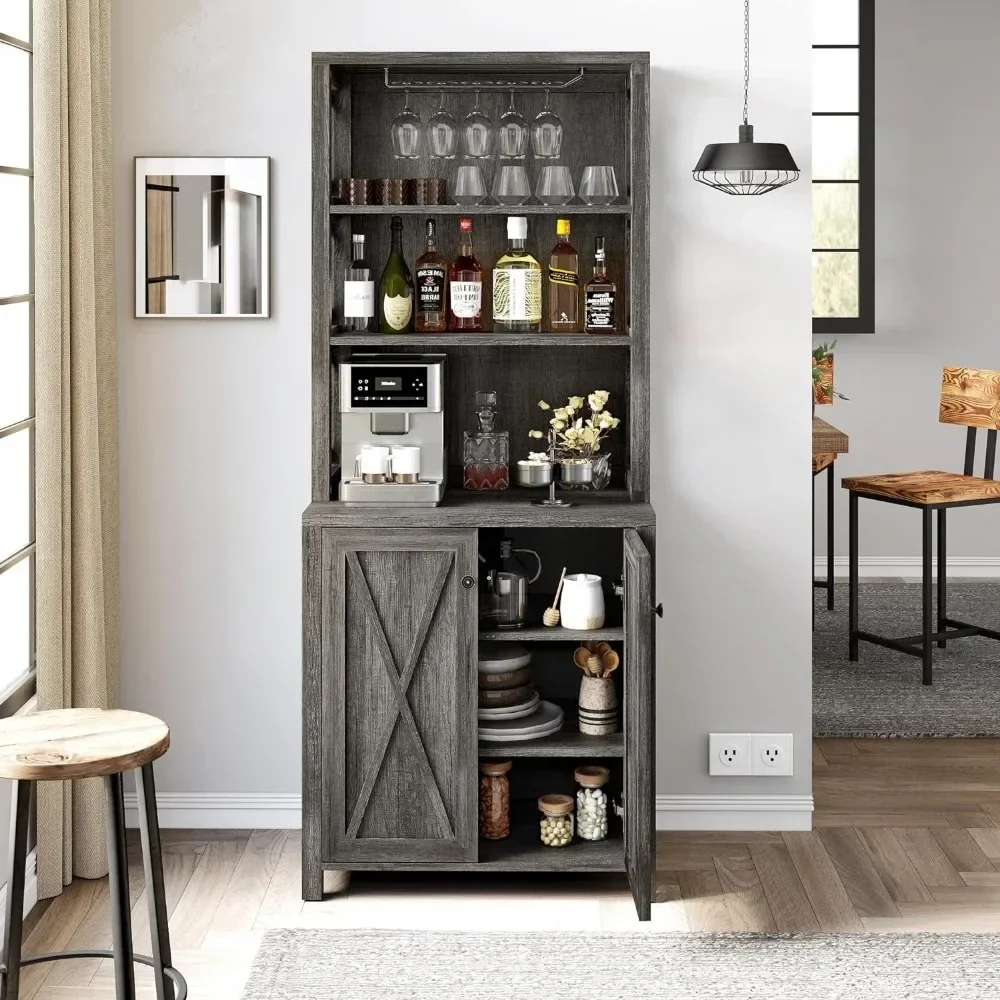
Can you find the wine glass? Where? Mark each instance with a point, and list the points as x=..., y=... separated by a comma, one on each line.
x=406, y=130
x=470, y=185
x=511, y=186
x=512, y=133
x=442, y=133
x=477, y=133
x=555, y=186
x=546, y=133
x=598, y=186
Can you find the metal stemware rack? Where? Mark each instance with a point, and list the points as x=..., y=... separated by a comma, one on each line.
x=475, y=82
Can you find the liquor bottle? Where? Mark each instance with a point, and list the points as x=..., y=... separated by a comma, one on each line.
x=517, y=284
x=432, y=274
x=465, y=284
x=395, y=290
x=359, y=289
x=564, y=283
x=599, y=296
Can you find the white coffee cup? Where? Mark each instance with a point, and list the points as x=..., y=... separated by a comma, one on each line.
x=406, y=462
x=373, y=462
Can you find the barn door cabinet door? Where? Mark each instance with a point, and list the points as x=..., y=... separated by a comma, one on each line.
x=640, y=769
x=399, y=696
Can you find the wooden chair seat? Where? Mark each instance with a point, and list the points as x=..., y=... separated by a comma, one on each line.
x=79, y=743
x=925, y=487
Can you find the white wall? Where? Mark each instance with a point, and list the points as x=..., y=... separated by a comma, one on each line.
x=215, y=415
x=937, y=246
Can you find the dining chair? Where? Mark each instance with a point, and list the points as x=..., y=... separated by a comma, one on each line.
x=824, y=463
x=970, y=397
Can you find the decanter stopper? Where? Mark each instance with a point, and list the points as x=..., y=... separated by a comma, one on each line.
x=486, y=409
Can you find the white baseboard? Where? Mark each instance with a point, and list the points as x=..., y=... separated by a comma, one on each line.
x=734, y=812
x=985, y=567
x=222, y=810
x=30, y=890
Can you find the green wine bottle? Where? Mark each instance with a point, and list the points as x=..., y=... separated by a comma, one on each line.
x=395, y=290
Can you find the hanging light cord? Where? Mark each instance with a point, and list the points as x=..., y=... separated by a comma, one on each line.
x=746, y=61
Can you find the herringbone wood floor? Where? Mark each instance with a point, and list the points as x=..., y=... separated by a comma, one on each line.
x=907, y=837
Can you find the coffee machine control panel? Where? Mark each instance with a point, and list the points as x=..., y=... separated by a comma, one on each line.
x=390, y=386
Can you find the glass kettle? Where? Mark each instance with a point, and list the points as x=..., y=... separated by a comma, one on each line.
x=505, y=603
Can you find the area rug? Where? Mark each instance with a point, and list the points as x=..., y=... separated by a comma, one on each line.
x=881, y=695
x=411, y=965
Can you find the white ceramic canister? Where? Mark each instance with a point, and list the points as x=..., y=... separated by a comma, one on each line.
x=582, y=602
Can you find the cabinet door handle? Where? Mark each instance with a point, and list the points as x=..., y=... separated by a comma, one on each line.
x=658, y=611
x=468, y=582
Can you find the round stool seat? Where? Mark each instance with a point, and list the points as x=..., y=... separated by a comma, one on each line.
x=79, y=743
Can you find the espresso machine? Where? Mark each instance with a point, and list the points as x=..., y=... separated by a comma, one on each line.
x=392, y=430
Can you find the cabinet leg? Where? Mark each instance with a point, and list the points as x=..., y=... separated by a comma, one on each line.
x=312, y=880
x=643, y=895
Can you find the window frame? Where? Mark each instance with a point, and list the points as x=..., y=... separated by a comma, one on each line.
x=20, y=691
x=864, y=322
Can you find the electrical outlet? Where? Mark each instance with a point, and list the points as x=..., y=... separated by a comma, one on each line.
x=771, y=754
x=729, y=753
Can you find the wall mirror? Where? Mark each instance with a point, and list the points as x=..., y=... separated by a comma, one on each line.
x=202, y=236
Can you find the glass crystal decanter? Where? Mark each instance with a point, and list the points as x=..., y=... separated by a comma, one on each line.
x=486, y=451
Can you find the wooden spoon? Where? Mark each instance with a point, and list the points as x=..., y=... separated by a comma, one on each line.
x=580, y=657
x=610, y=663
x=552, y=615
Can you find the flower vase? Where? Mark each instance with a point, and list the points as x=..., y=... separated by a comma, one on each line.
x=592, y=473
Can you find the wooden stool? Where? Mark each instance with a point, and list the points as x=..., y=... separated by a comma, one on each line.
x=90, y=743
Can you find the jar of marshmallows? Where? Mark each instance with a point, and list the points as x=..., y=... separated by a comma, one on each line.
x=592, y=802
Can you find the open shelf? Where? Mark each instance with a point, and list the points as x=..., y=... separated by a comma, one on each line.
x=524, y=851
x=567, y=743
x=560, y=210
x=535, y=631
x=347, y=339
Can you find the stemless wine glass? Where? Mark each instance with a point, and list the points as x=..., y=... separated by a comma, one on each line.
x=546, y=133
x=470, y=186
x=477, y=133
x=598, y=186
x=406, y=130
x=442, y=133
x=555, y=186
x=512, y=134
x=511, y=186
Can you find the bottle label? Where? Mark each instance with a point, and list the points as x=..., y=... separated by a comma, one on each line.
x=359, y=298
x=559, y=276
x=397, y=309
x=517, y=294
x=430, y=289
x=600, y=310
x=466, y=299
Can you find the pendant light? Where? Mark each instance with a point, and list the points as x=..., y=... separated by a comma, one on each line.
x=746, y=167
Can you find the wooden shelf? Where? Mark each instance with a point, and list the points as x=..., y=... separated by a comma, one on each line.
x=523, y=851
x=535, y=631
x=622, y=209
x=567, y=743
x=480, y=340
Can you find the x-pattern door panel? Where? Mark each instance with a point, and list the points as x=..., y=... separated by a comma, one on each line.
x=400, y=695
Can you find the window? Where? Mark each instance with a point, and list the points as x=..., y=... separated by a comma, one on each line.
x=17, y=413
x=843, y=154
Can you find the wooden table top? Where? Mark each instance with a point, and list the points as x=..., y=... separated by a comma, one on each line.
x=827, y=440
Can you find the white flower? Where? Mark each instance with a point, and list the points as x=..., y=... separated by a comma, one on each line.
x=562, y=413
x=605, y=420
x=558, y=424
x=542, y=405
x=535, y=434
x=576, y=402
x=596, y=402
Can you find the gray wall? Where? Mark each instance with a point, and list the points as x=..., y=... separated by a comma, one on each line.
x=215, y=415
x=936, y=258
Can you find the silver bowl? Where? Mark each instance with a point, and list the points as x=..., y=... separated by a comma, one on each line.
x=576, y=471
x=532, y=474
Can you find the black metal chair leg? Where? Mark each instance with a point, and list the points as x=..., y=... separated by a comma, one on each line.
x=121, y=913
x=152, y=860
x=829, y=536
x=10, y=978
x=927, y=647
x=942, y=578
x=852, y=575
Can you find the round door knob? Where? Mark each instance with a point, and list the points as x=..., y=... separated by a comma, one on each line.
x=468, y=582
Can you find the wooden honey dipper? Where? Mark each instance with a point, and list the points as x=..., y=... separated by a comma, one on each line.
x=551, y=616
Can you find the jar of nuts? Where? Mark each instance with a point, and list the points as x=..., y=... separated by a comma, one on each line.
x=494, y=799
x=592, y=801
x=557, y=820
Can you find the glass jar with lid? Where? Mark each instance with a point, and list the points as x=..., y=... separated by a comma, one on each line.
x=556, y=825
x=592, y=802
x=494, y=799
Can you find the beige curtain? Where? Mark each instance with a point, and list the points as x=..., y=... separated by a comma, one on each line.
x=76, y=387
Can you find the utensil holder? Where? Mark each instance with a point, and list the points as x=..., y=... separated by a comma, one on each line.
x=598, y=705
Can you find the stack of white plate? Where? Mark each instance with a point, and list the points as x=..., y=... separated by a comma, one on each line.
x=544, y=720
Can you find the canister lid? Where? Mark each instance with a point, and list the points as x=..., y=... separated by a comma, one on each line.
x=517, y=227
x=591, y=775
x=556, y=805
x=494, y=768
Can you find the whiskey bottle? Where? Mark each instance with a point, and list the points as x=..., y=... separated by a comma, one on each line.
x=599, y=296
x=465, y=284
x=517, y=284
x=395, y=290
x=564, y=283
x=432, y=275
x=359, y=289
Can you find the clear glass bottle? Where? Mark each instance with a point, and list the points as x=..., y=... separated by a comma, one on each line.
x=592, y=802
x=599, y=295
x=494, y=799
x=359, y=289
x=486, y=451
x=556, y=825
x=431, y=273
x=564, y=282
x=517, y=284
